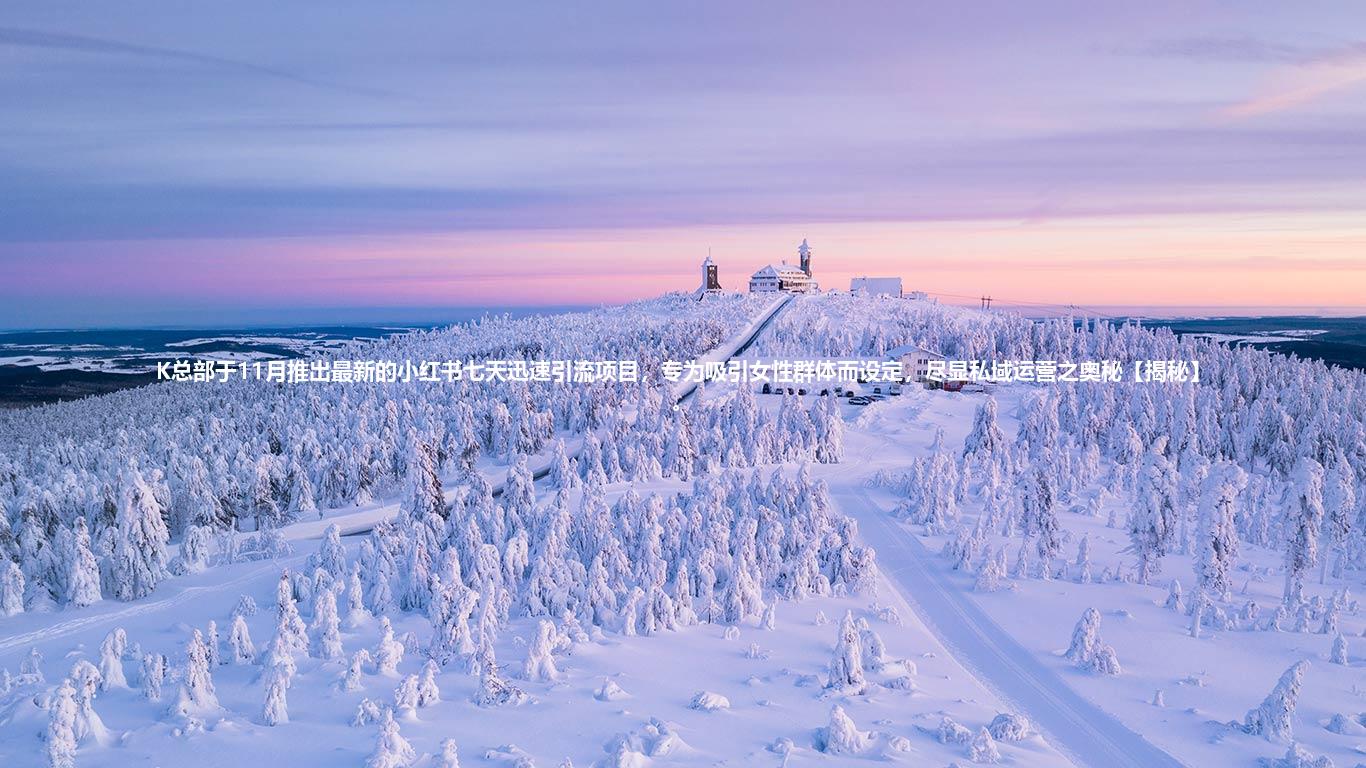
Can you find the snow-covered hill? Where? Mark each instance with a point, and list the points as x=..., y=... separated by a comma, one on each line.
x=600, y=574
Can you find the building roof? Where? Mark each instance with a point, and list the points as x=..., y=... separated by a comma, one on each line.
x=781, y=270
x=906, y=349
x=875, y=284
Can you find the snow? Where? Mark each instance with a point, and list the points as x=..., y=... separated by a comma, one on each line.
x=954, y=649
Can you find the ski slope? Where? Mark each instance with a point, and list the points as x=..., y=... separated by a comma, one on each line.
x=1072, y=724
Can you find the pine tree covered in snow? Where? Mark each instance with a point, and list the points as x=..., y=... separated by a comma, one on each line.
x=389, y=652
x=86, y=680
x=138, y=561
x=239, y=641
x=391, y=749
x=275, y=710
x=61, y=727
x=1152, y=523
x=83, y=581
x=1338, y=654
x=111, y=660
x=289, y=627
x=11, y=590
x=983, y=749
x=1217, y=532
x=1305, y=520
x=841, y=736
x=846, y=664
x=1274, y=718
x=196, y=688
x=540, y=661
x=153, y=675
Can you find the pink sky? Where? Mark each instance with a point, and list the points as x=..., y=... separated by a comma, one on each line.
x=194, y=164
x=1270, y=260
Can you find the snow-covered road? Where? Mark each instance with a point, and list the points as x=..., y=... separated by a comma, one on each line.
x=1087, y=734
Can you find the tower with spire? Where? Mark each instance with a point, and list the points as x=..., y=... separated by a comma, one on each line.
x=804, y=254
x=710, y=280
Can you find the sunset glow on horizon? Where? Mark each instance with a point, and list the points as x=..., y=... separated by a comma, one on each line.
x=205, y=167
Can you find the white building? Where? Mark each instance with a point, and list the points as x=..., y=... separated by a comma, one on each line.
x=918, y=295
x=785, y=277
x=876, y=286
x=915, y=361
x=781, y=277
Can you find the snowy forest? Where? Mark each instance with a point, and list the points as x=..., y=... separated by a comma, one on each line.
x=421, y=574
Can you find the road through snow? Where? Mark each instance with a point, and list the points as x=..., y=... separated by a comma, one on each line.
x=1078, y=728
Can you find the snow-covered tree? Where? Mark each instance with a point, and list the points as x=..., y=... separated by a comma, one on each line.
x=1217, y=532
x=1087, y=649
x=1338, y=655
x=275, y=709
x=327, y=642
x=86, y=680
x=355, y=670
x=841, y=736
x=11, y=590
x=83, y=572
x=1340, y=517
x=331, y=553
x=493, y=691
x=61, y=727
x=153, y=675
x=391, y=749
x=428, y=692
x=1305, y=518
x=239, y=641
x=450, y=755
x=112, y=649
x=846, y=664
x=196, y=687
x=985, y=438
x=1152, y=523
x=405, y=698
x=983, y=749
x=1085, y=637
x=289, y=626
x=356, y=614
x=540, y=661
x=389, y=652
x=1274, y=718
x=562, y=473
x=193, y=556
x=138, y=561
x=212, y=643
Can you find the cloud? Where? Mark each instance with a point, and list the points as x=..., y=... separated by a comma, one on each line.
x=1301, y=84
x=58, y=41
x=1245, y=49
x=1301, y=74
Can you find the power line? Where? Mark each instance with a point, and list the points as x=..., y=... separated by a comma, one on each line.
x=1062, y=309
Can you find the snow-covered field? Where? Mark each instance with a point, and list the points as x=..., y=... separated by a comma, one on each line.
x=594, y=575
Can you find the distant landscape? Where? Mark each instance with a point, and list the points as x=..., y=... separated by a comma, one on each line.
x=38, y=367
x=1339, y=341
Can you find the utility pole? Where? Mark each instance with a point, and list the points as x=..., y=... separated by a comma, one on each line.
x=986, y=302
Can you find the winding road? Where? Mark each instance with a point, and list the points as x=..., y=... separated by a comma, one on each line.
x=1078, y=728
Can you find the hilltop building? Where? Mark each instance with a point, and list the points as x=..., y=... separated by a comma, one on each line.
x=915, y=361
x=876, y=286
x=711, y=280
x=785, y=277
